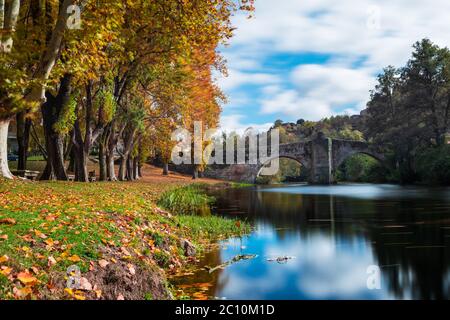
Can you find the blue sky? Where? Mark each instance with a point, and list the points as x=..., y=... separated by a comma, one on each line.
x=313, y=59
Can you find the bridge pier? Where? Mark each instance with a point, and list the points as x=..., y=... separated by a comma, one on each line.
x=321, y=165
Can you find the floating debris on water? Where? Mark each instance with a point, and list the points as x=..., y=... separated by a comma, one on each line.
x=230, y=262
x=281, y=260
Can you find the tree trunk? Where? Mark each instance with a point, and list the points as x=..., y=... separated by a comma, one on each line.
x=125, y=169
x=110, y=167
x=23, y=139
x=80, y=155
x=81, y=172
x=71, y=167
x=92, y=131
x=165, y=169
x=111, y=143
x=122, y=168
x=129, y=175
x=4, y=168
x=136, y=168
x=140, y=169
x=194, y=172
x=54, y=142
x=55, y=158
x=102, y=160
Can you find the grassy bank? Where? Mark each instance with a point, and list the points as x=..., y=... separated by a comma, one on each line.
x=122, y=242
x=187, y=200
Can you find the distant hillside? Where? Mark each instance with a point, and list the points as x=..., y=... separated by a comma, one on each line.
x=339, y=127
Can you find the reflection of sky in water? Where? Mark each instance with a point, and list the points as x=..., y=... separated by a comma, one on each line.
x=335, y=233
x=364, y=191
x=324, y=267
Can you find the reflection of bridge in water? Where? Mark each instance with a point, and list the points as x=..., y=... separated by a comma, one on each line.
x=320, y=156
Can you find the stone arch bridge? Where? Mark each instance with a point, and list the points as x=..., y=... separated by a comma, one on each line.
x=322, y=156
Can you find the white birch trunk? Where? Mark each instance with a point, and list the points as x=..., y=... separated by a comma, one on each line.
x=4, y=168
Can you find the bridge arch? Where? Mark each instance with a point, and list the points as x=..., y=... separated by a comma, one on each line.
x=343, y=149
x=303, y=163
x=375, y=156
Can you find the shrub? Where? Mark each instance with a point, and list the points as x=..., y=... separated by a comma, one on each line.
x=433, y=165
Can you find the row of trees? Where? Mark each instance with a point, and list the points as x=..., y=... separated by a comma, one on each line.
x=409, y=112
x=118, y=75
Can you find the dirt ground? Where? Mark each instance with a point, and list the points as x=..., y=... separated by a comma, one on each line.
x=154, y=174
x=150, y=173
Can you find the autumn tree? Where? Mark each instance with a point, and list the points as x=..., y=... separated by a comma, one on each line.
x=30, y=49
x=82, y=80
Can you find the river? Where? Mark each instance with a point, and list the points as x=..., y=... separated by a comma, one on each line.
x=333, y=237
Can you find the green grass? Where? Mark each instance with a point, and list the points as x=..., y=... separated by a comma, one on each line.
x=36, y=158
x=79, y=220
x=32, y=165
x=187, y=200
x=237, y=185
x=213, y=227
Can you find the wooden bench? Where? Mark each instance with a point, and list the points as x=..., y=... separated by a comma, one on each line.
x=27, y=174
x=92, y=177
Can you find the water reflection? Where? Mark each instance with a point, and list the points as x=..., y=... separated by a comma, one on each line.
x=335, y=233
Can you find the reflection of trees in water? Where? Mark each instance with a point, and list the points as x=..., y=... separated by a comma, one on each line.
x=397, y=230
x=294, y=213
x=418, y=249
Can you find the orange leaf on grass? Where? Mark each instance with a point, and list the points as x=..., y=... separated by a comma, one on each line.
x=40, y=234
x=49, y=242
x=74, y=258
x=26, y=278
x=5, y=271
x=50, y=217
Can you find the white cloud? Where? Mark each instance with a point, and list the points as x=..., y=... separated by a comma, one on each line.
x=290, y=103
x=344, y=30
x=233, y=123
x=320, y=91
x=237, y=78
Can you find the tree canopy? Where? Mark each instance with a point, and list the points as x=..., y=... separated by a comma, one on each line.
x=108, y=75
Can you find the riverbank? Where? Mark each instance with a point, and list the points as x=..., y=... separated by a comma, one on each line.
x=113, y=234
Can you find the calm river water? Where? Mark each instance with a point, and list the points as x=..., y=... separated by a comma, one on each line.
x=333, y=235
